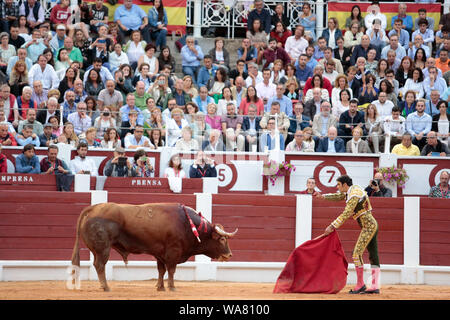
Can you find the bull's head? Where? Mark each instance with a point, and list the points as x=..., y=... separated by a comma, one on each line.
x=220, y=248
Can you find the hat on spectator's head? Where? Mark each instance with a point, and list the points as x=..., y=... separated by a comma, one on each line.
x=48, y=125
x=119, y=150
x=60, y=27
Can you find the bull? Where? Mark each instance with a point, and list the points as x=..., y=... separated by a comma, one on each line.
x=163, y=230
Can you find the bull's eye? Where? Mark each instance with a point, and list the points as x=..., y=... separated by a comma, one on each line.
x=223, y=240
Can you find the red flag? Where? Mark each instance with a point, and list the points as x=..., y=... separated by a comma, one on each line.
x=316, y=266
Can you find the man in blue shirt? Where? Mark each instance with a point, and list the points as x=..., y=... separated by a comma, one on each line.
x=208, y=71
x=407, y=20
x=28, y=162
x=285, y=102
x=131, y=105
x=191, y=54
x=331, y=143
x=302, y=71
x=131, y=17
x=418, y=124
x=403, y=35
x=203, y=99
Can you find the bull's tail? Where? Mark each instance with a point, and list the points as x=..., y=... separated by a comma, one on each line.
x=73, y=282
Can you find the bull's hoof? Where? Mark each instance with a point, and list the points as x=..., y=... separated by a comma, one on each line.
x=172, y=289
x=160, y=289
x=106, y=289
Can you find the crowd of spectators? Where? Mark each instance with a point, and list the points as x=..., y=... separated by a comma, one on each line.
x=379, y=85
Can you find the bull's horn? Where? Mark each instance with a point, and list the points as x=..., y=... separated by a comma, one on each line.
x=220, y=231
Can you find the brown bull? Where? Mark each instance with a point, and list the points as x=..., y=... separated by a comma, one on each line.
x=159, y=229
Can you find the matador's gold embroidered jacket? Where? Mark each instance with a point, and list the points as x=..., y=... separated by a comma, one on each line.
x=357, y=204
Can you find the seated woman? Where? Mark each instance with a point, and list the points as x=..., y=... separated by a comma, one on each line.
x=368, y=92
x=408, y=106
x=56, y=128
x=141, y=166
x=343, y=104
x=186, y=143
x=143, y=75
x=166, y=58
x=62, y=62
x=215, y=85
x=258, y=38
x=134, y=48
x=157, y=19
x=374, y=128
x=111, y=139
x=441, y=122
x=174, y=126
x=200, y=129
x=104, y=122
x=356, y=144
x=341, y=83
x=251, y=98
x=67, y=83
x=94, y=83
x=68, y=135
x=280, y=33
x=18, y=78
x=220, y=55
x=211, y=118
x=317, y=82
x=308, y=141
x=227, y=97
x=292, y=91
x=160, y=90
x=414, y=83
x=156, y=138
x=155, y=121
x=117, y=57
x=189, y=87
x=174, y=168
x=150, y=59
x=191, y=110
x=90, y=138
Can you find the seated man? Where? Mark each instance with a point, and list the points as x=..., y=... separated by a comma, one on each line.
x=350, y=119
x=203, y=167
x=310, y=187
x=322, y=122
x=283, y=119
x=28, y=162
x=231, y=129
x=131, y=17
x=441, y=190
x=251, y=128
x=208, y=71
x=418, y=124
x=267, y=141
x=31, y=120
x=48, y=138
x=376, y=187
x=131, y=105
x=191, y=55
x=51, y=164
x=214, y=143
x=119, y=165
x=394, y=128
x=45, y=73
x=331, y=143
x=299, y=121
x=27, y=136
x=34, y=12
x=434, y=146
x=80, y=120
x=137, y=139
x=6, y=138
x=82, y=165
x=406, y=148
x=297, y=143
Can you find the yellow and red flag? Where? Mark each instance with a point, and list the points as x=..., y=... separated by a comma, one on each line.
x=341, y=11
x=176, y=12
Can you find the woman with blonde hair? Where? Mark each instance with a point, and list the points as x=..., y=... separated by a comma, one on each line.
x=68, y=135
x=341, y=83
x=18, y=78
x=174, y=126
x=211, y=118
x=356, y=144
x=155, y=121
x=188, y=86
x=374, y=127
x=186, y=143
x=90, y=137
x=292, y=91
x=308, y=141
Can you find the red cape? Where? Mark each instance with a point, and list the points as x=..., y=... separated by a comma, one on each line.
x=316, y=266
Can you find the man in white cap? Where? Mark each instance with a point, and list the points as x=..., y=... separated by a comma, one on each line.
x=57, y=41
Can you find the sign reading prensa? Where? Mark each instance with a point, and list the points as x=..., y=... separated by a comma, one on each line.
x=13, y=178
x=146, y=182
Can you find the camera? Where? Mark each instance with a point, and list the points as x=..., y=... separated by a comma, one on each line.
x=122, y=161
x=106, y=114
x=375, y=182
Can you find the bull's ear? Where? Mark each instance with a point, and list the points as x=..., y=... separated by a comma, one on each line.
x=214, y=234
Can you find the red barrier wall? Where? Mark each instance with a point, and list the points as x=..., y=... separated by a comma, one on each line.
x=146, y=185
x=266, y=225
x=387, y=211
x=434, y=232
x=40, y=225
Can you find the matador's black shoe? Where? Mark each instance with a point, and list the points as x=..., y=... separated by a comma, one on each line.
x=371, y=291
x=360, y=290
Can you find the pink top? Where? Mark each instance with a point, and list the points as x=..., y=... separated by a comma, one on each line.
x=215, y=122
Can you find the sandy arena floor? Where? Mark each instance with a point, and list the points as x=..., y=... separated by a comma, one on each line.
x=198, y=290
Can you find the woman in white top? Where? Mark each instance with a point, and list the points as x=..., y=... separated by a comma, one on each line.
x=174, y=169
x=111, y=139
x=278, y=72
x=374, y=127
x=62, y=63
x=135, y=47
x=7, y=51
x=343, y=104
x=174, y=126
x=117, y=57
x=150, y=58
x=441, y=122
x=308, y=141
x=414, y=83
x=340, y=84
x=227, y=97
x=186, y=143
x=104, y=122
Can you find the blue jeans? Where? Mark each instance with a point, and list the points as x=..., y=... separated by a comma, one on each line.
x=191, y=71
x=160, y=36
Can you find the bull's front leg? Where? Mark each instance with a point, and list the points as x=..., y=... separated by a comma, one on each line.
x=171, y=270
x=161, y=272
